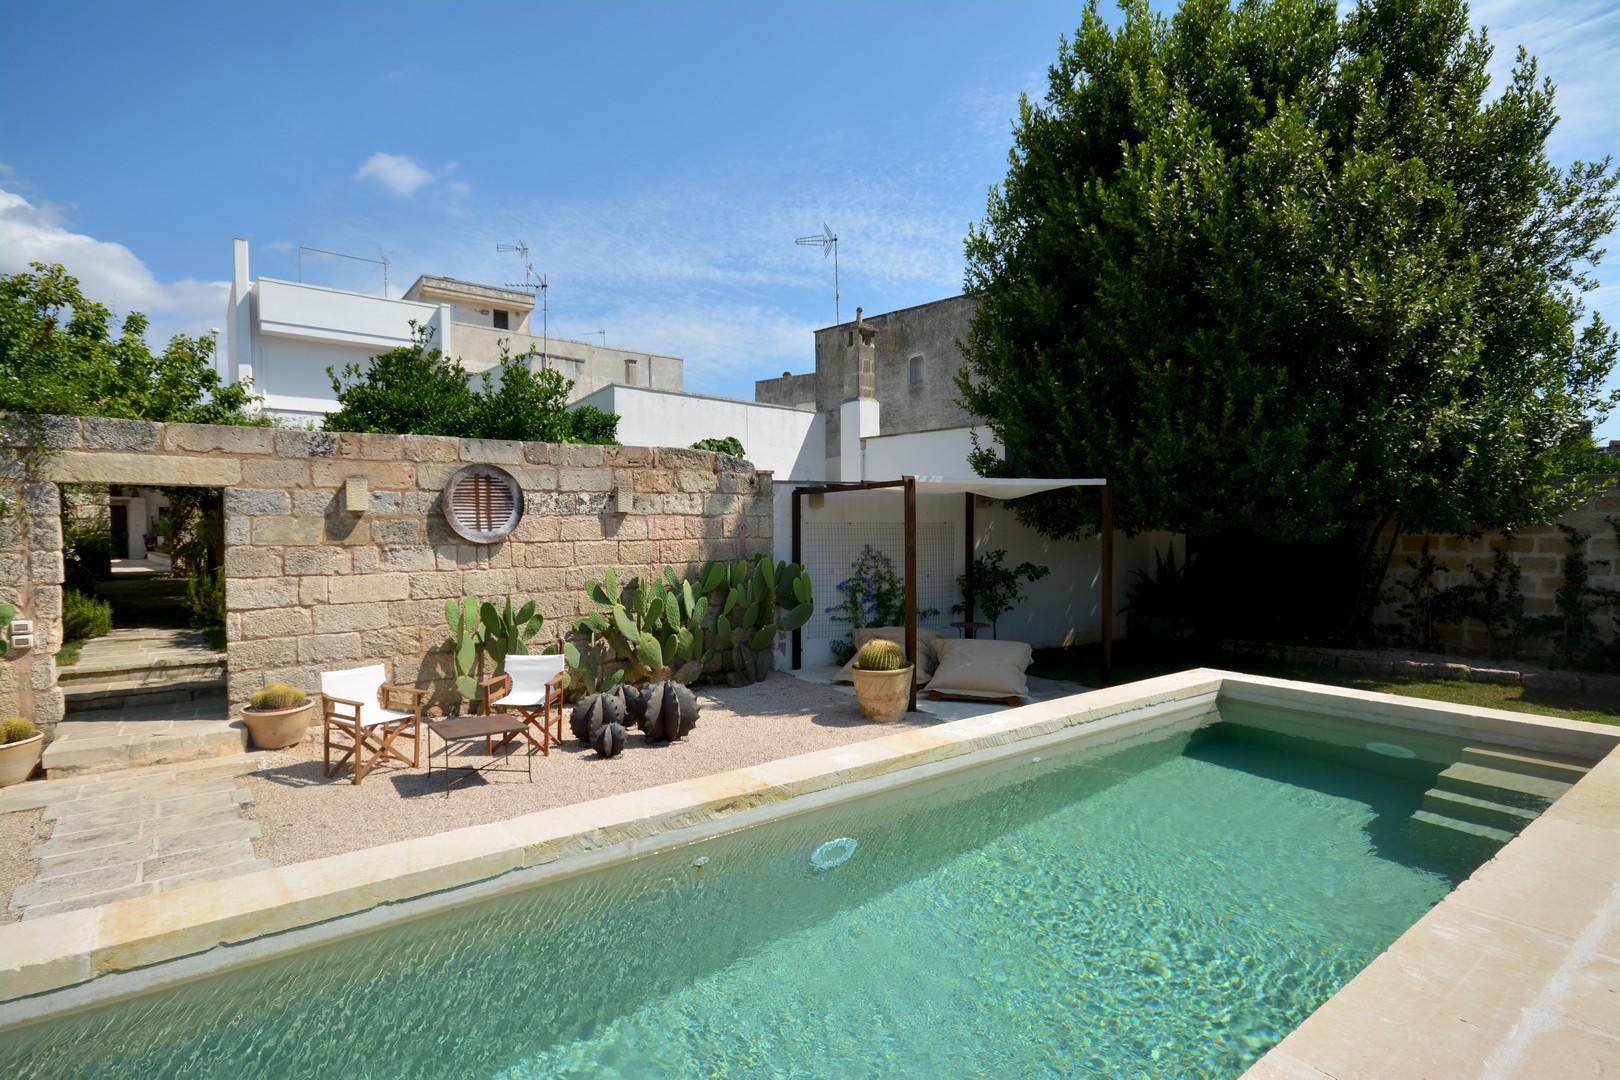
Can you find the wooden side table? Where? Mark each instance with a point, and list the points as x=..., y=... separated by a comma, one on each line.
x=473, y=729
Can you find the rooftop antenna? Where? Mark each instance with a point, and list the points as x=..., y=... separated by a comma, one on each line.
x=382, y=262
x=827, y=241
x=533, y=282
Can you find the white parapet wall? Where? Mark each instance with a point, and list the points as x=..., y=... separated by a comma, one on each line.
x=787, y=442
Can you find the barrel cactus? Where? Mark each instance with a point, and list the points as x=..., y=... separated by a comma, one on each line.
x=880, y=655
x=593, y=712
x=16, y=729
x=667, y=711
x=609, y=740
x=277, y=695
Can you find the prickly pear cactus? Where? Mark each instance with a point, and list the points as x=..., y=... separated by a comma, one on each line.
x=880, y=655
x=609, y=740
x=594, y=712
x=669, y=711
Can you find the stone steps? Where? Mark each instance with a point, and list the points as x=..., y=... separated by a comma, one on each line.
x=1454, y=835
x=1501, y=785
x=168, y=687
x=1483, y=800
x=1498, y=815
x=153, y=735
x=136, y=667
x=1546, y=766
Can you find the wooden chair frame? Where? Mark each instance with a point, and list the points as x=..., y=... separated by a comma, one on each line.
x=377, y=738
x=545, y=716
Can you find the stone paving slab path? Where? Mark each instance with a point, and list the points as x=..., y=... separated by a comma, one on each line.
x=133, y=833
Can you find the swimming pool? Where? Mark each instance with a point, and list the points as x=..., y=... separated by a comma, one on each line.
x=1171, y=904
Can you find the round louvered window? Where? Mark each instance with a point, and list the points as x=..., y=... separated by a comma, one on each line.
x=482, y=503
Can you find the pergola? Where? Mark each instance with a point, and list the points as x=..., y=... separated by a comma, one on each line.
x=1002, y=488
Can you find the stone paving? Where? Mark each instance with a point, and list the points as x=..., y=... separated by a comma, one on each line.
x=133, y=833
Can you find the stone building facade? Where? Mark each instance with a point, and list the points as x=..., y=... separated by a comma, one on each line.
x=906, y=360
x=311, y=585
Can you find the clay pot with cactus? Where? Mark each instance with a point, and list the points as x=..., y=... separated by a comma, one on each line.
x=882, y=680
x=20, y=747
x=277, y=716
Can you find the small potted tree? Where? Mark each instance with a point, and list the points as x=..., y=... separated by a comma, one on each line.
x=20, y=748
x=277, y=716
x=882, y=680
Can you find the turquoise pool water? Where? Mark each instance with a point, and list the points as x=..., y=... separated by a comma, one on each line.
x=1167, y=909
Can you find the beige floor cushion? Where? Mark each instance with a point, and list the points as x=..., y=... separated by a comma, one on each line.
x=974, y=668
x=927, y=646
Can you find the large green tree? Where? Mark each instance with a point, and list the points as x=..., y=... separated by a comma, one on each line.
x=1289, y=277
x=60, y=354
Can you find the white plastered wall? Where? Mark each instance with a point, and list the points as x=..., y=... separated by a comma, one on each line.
x=1063, y=608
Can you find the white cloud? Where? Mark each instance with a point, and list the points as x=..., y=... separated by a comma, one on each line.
x=108, y=272
x=1576, y=43
x=396, y=172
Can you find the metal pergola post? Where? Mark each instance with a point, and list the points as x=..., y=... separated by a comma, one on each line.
x=1106, y=530
x=911, y=588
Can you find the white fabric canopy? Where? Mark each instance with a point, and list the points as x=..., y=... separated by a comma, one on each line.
x=996, y=487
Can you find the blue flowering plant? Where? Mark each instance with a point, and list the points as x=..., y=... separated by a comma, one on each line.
x=873, y=595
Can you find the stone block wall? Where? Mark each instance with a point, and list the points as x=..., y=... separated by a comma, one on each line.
x=311, y=586
x=1538, y=552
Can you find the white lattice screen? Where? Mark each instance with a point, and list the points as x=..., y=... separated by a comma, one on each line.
x=831, y=549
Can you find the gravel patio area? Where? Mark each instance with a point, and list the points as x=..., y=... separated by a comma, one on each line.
x=20, y=830
x=305, y=815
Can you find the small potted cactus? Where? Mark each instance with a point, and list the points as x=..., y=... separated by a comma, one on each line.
x=20, y=747
x=882, y=680
x=277, y=716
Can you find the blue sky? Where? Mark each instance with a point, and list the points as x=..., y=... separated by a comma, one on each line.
x=659, y=159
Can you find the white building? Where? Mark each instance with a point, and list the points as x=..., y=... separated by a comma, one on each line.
x=285, y=334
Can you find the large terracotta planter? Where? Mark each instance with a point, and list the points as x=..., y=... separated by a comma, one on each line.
x=19, y=759
x=882, y=695
x=276, y=729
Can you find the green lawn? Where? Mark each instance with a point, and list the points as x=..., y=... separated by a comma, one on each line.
x=1083, y=665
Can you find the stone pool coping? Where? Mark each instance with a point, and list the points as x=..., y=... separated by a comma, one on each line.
x=58, y=962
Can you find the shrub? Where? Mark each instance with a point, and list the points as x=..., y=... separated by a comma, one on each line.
x=728, y=445
x=205, y=597
x=84, y=617
x=278, y=695
x=16, y=729
x=997, y=589
x=86, y=556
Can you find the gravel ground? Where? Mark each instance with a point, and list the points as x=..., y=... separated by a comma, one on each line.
x=19, y=831
x=305, y=815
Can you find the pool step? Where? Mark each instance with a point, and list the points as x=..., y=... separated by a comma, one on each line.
x=1501, y=785
x=1456, y=836
x=1472, y=808
x=1546, y=766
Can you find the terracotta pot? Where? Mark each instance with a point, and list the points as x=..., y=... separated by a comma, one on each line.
x=19, y=759
x=276, y=729
x=882, y=695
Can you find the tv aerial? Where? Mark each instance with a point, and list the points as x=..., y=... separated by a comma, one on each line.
x=532, y=283
x=827, y=241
